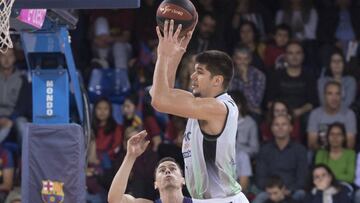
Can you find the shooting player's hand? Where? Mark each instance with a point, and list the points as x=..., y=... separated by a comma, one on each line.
x=170, y=42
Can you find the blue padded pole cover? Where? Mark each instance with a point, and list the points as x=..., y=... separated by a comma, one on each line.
x=53, y=164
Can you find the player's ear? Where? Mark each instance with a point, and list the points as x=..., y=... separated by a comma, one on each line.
x=218, y=80
x=155, y=185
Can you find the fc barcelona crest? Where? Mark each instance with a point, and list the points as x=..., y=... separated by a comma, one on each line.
x=52, y=192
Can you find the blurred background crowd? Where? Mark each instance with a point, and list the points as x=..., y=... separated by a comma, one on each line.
x=296, y=83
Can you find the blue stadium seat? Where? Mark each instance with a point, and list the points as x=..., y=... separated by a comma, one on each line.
x=111, y=83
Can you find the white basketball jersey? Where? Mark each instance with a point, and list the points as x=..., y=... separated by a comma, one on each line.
x=210, y=170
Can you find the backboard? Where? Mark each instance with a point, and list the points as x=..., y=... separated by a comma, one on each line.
x=77, y=4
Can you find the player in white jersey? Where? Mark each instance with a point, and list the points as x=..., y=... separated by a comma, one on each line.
x=210, y=136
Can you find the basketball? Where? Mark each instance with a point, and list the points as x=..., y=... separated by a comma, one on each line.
x=181, y=11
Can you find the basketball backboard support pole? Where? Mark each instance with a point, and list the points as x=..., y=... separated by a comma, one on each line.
x=77, y=4
x=53, y=38
x=49, y=56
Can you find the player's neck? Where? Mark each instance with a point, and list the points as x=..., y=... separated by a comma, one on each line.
x=172, y=196
x=217, y=93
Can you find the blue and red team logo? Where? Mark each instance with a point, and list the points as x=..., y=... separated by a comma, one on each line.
x=52, y=192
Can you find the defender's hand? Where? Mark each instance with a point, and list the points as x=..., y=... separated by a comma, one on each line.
x=137, y=144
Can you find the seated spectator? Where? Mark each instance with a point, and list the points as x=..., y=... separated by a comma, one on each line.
x=108, y=134
x=113, y=34
x=294, y=85
x=278, y=108
x=13, y=94
x=122, y=49
x=113, y=16
x=277, y=191
x=6, y=173
x=248, y=79
x=254, y=11
x=274, y=54
x=219, y=9
x=329, y=113
x=122, y=52
x=325, y=187
x=108, y=139
x=247, y=139
x=109, y=49
x=249, y=36
x=130, y=117
x=142, y=68
x=243, y=170
x=340, y=160
x=205, y=37
x=337, y=71
x=300, y=16
x=284, y=158
x=102, y=44
x=338, y=24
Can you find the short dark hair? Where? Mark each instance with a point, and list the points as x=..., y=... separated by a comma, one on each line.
x=342, y=128
x=274, y=181
x=283, y=27
x=332, y=82
x=295, y=42
x=334, y=182
x=168, y=159
x=254, y=29
x=208, y=14
x=217, y=63
x=242, y=48
x=288, y=117
x=110, y=125
x=336, y=51
x=133, y=98
x=270, y=114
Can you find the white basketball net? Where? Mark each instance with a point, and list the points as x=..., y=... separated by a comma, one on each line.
x=5, y=11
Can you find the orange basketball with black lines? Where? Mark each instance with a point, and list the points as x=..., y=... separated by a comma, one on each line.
x=181, y=11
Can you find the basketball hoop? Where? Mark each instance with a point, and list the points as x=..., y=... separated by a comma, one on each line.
x=5, y=11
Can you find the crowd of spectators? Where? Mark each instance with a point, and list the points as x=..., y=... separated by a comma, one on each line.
x=296, y=83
